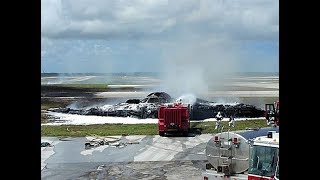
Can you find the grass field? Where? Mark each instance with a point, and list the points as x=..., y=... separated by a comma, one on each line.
x=137, y=129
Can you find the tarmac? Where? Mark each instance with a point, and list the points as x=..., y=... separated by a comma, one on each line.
x=127, y=157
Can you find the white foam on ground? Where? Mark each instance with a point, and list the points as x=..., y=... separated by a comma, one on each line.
x=75, y=119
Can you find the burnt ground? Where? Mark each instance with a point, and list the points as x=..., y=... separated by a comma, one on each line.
x=82, y=96
x=79, y=97
x=64, y=96
x=59, y=91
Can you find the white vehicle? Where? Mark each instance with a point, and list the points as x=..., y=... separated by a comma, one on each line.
x=264, y=158
x=251, y=155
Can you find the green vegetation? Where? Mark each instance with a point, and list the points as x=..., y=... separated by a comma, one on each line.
x=137, y=129
x=208, y=127
x=100, y=130
x=46, y=106
x=76, y=88
x=81, y=87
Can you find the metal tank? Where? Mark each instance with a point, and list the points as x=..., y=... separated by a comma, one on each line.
x=228, y=150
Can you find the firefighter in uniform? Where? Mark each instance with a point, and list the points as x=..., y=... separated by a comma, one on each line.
x=231, y=121
x=218, y=118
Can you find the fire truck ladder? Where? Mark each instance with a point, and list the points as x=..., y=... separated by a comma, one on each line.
x=228, y=147
x=227, y=160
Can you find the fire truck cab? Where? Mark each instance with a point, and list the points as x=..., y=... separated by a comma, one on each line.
x=264, y=158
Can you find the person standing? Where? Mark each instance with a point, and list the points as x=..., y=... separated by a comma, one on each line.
x=231, y=121
x=219, y=119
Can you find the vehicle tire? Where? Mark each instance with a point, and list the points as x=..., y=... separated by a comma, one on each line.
x=185, y=133
x=161, y=133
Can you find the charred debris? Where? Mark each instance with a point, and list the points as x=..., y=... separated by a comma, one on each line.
x=148, y=108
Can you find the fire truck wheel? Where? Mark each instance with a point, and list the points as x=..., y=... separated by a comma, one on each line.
x=161, y=133
x=185, y=133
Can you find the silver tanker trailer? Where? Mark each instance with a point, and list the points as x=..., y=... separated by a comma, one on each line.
x=230, y=154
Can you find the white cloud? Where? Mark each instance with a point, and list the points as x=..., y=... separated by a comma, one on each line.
x=205, y=34
x=116, y=18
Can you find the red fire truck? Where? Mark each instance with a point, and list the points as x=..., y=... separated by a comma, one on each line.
x=272, y=113
x=174, y=118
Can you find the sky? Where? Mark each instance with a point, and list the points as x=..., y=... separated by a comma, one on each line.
x=170, y=36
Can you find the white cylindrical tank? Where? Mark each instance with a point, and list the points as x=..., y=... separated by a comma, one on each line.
x=233, y=149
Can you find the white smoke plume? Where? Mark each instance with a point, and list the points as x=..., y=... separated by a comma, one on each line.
x=75, y=105
x=198, y=64
x=187, y=98
x=226, y=100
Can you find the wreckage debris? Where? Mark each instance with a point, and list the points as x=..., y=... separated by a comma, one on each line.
x=148, y=108
x=206, y=110
x=103, y=141
x=89, y=145
x=101, y=167
x=45, y=144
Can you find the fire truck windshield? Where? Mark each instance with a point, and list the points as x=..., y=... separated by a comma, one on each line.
x=263, y=161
